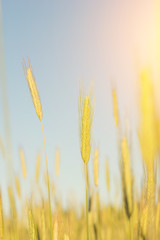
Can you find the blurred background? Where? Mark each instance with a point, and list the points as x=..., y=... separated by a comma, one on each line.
x=104, y=42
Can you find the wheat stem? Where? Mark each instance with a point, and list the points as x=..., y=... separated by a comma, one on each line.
x=130, y=228
x=87, y=229
x=50, y=213
x=98, y=215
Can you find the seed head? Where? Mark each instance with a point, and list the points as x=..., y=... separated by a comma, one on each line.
x=33, y=89
x=86, y=131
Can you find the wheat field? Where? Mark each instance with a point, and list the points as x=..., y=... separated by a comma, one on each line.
x=133, y=213
x=138, y=217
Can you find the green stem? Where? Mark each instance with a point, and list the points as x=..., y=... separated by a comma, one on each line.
x=50, y=213
x=86, y=201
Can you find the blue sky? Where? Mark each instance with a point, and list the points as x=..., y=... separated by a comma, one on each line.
x=98, y=41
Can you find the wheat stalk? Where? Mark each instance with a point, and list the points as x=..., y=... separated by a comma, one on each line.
x=12, y=203
x=1, y=219
x=38, y=163
x=85, y=117
x=37, y=104
x=127, y=183
x=43, y=225
x=157, y=217
x=96, y=167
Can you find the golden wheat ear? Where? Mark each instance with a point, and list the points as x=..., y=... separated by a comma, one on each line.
x=2, y=148
x=29, y=75
x=85, y=131
x=18, y=187
x=115, y=106
x=23, y=163
x=107, y=176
